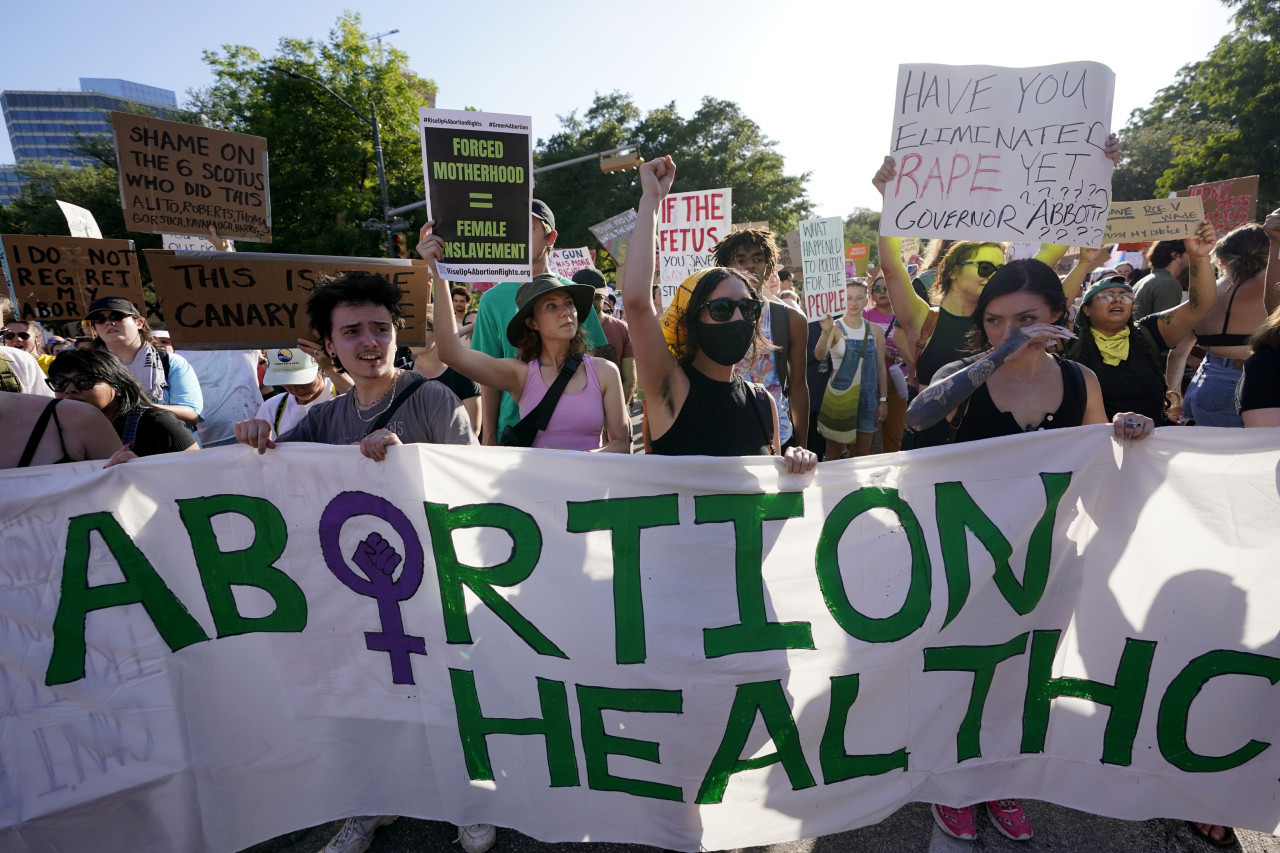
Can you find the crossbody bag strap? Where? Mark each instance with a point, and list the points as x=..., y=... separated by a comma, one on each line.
x=385, y=417
x=926, y=332
x=541, y=414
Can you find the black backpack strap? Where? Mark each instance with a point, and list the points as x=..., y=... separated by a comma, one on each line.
x=780, y=332
x=385, y=417
x=764, y=413
x=164, y=362
x=280, y=411
x=37, y=432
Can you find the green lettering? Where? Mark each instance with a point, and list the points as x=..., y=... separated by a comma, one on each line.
x=766, y=699
x=597, y=745
x=838, y=765
x=1175, y=707
x=982, y=662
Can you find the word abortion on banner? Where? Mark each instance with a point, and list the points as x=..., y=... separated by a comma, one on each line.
x=989, y=153
x=566, y=262
x=1157, y=219
x=178, y=178
x=583, y=647
x=55, y=278
x=690, y=225
x=822, y=258
x=233, y=300
x=615, y=234
x=1227, y=204
x=80, y=221
x=478, y=169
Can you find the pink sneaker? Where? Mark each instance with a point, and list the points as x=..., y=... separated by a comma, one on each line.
x=1010, y=819
x=958, y=823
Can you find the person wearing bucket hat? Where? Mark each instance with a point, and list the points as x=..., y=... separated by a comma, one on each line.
x=546, y=331
x=1128, y=356
x=697, y=404
x=167, y=378
x=499, y=410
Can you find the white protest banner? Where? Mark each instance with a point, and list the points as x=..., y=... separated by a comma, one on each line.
x=1157, y=219
x=989, y=153
x=566, y=262
x=478, y=169
x=183, y=243
x=80, y=221
x=585, y=645
x=690, y=224
x=822, y=256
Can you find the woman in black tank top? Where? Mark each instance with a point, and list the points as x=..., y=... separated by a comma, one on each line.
x=685, y=360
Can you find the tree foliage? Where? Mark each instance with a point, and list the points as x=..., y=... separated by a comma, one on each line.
x=863, y=226
x=1221, y=116
x=324, y=175
x=717, y=147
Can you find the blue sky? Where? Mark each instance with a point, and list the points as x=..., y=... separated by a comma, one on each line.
x=818, y=76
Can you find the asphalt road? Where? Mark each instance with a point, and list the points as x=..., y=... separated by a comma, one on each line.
x=909, y=830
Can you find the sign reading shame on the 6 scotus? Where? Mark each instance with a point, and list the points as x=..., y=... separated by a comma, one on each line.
x=478, y=170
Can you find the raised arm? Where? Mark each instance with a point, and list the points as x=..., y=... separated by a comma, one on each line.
x=909, y=309
x=1073, y=284
x=1271, y=293
x=506, y=374
x=1177, y=322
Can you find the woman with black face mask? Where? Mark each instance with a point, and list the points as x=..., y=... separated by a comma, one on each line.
x=685, y=361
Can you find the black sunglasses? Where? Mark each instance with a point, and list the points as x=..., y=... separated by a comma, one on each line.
x=82, y=381
x=22, y=336
x=986, y=269
x=721, y=310
x=107, y=317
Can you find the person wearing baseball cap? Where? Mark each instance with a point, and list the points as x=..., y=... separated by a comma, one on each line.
x=305, y=385
x=166, y=377
x=498, y=306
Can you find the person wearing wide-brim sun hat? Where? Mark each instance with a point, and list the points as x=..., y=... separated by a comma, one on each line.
x=547, y=333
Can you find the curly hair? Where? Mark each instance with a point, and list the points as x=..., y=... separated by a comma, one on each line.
x=751, y=238
x=1026, y=274
x=1161, y=253
x=1243, y=252
x=352, y=288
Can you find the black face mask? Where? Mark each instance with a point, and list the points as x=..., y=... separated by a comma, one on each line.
x=726, y=343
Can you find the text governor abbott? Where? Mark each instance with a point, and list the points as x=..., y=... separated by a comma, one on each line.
x=478, y=185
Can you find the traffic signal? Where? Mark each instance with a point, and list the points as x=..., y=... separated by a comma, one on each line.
x=402, y=250
x=609, y=165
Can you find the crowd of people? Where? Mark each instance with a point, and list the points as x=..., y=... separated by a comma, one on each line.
x=966, y=346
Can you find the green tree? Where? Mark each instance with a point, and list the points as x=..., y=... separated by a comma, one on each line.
x=717, y=147
x=1234, y=93
x=1149, y=150
x=863, y=226
x=324, y=175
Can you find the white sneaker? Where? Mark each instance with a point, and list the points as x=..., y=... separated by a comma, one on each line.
x=357, y=834
x=477, y=838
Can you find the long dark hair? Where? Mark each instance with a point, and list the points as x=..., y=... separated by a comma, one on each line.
x=702, y=294
x=1084, y=350
x=102, y=364
x=1026, y=274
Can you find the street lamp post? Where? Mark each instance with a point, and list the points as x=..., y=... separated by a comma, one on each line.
x=386, y=226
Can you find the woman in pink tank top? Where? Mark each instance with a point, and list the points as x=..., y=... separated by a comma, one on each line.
x=589, y=414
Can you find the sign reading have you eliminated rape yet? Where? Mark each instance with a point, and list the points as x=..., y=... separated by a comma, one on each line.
x=693, y=654
x=179, y=178
x=478, y=169
x=989, y=153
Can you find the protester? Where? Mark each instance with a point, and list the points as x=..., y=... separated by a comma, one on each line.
x=304, y=384
x=1258, y=397
x=1225, y=331
x=1162, y=288
x=880, y=312
x=426, y=362
x=1128, y=356
x=98, y=378
x=230, y=389
x=780, y=368
x=618, y=350
x=791, y=299
x=44, y=431
x=26, y=337
x=546, y=332
x=167, y=378
x=853, y=403
x=697, y=404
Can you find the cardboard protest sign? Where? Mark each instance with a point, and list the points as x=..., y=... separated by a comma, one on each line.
x=822, y=257
x=1157, y=219
x=185, y=243
x=80, y=221
x=989, y=153
x=55, y=278
x=478, y=169
x=1227, y=204
x=910, y=249
x=566, y=262
x=690, y=225
x=859, y=254
x=595, y=646
x=615, y=234
x=234, y=300
x=791, y=255
x=180, y=178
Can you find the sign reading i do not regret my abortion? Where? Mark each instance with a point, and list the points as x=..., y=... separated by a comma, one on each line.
x=478, y=170
x=988, y=153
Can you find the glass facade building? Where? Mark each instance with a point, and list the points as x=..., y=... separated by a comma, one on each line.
x=44, y=125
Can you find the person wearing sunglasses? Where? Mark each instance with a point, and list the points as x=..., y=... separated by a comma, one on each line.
x=168, y=379
x=697, y=404
x=26, y=337
x=99, y=378
x=1128, y=356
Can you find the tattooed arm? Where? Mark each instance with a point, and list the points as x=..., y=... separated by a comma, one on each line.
x=954, y=383
x=1176, y=323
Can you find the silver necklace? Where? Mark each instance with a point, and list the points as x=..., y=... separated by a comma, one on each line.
x=355, y=402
